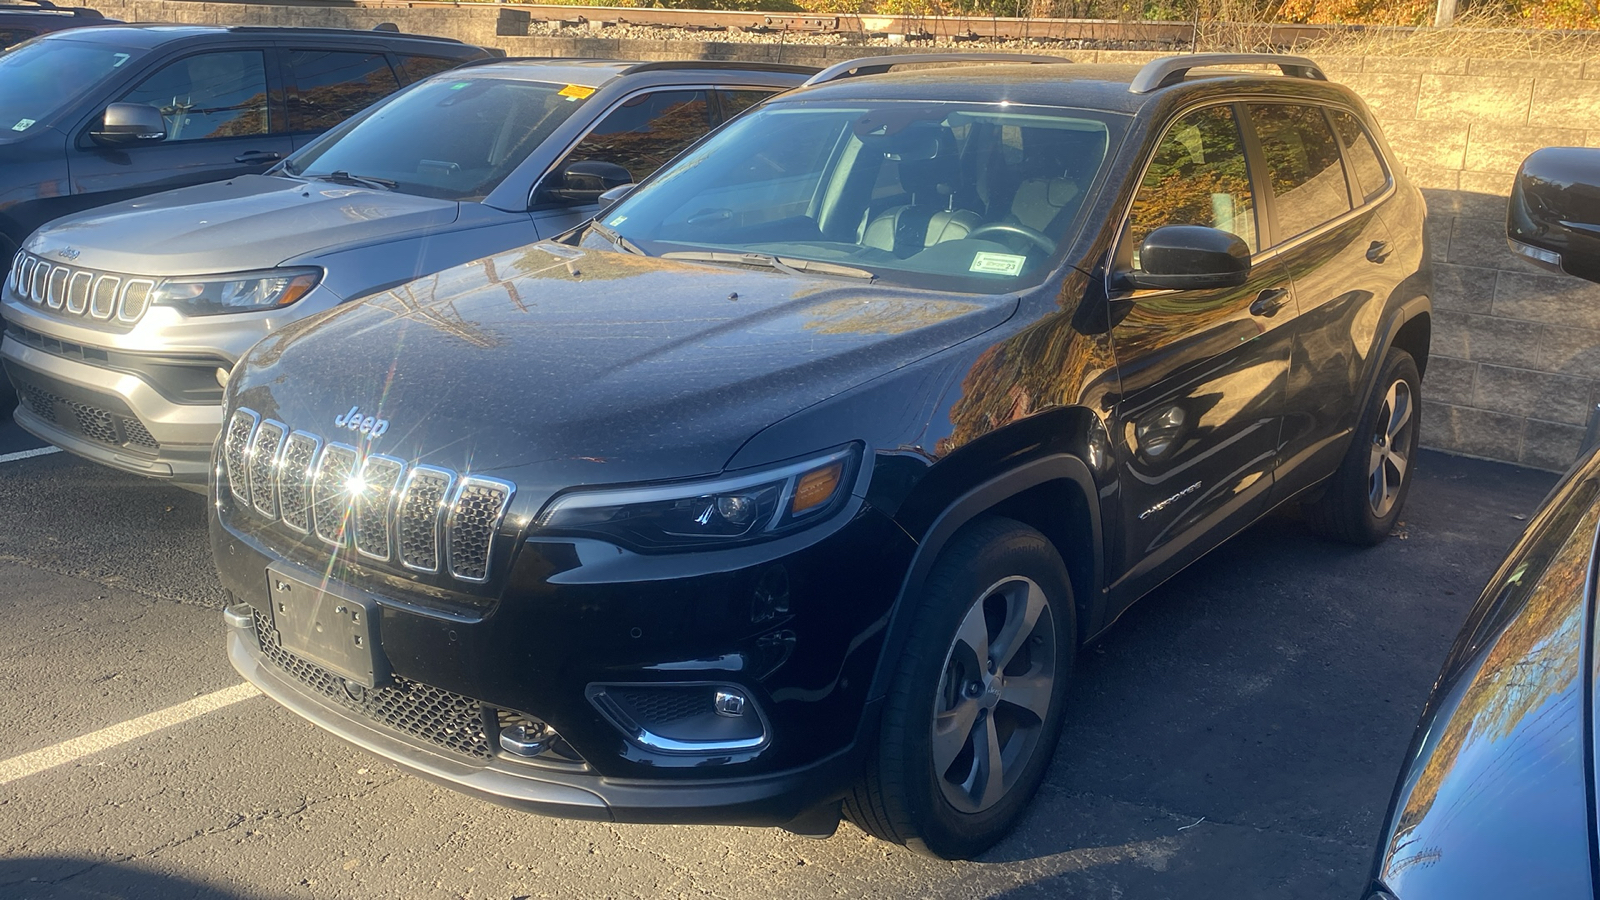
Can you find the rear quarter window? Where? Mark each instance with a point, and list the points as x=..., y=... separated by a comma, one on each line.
x=1361, y=155
x=1308, y=182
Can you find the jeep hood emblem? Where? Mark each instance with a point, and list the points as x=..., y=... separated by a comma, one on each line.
x=367, y=425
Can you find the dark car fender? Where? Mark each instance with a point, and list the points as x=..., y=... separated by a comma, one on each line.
x=1064, y=470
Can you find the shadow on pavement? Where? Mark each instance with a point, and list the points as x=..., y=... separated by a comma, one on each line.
x=76, y=878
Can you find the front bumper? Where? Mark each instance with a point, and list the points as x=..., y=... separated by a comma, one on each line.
x=111, y=417
x=772, y=799
x=564, y=621
x=145, y=400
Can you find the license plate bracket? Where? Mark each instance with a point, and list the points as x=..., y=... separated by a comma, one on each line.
x=331, y=625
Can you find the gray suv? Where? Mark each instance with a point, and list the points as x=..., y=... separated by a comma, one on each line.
x=122, y=323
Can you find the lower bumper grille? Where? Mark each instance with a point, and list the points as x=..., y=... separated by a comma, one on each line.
x=91, y=421
x=445, y=719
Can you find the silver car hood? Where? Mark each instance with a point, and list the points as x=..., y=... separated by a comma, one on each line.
x=250, y=222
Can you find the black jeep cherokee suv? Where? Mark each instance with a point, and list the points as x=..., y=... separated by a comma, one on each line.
x=799, y=478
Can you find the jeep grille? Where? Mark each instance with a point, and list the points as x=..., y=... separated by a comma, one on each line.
x=115, y=300
x=424, y=517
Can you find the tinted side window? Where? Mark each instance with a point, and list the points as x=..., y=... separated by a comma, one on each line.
x=646, y=131
x=10, y=35
x=736, y=102
x=331, y=86
x=209, y=95
x=1360, y=155
x=1198, y=176
x=420, y=67
x=1308, y=186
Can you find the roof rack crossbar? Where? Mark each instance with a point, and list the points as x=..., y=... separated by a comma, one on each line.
x=1169, y=70
x=877, y=65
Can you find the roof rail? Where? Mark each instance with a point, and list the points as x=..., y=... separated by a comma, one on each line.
x=877, y=65
x=1169, y=70
x=679, y=64
x=45, y=6
x=329, y=29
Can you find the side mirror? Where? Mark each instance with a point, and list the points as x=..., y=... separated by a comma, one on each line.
x=610, y=198
x=584, y=181
x=1553, y=218
x=1191, y=258
x=127, y=124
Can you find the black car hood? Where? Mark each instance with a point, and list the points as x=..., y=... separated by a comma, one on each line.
x=1494, y=800
x=555, y=366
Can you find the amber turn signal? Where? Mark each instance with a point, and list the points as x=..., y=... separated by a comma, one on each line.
x=816, y=488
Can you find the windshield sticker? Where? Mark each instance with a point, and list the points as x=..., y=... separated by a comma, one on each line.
x=22, y=125
x=617, y=221
x=459, y=85
x=997, y=264
x=576, y=92
x=120, y=59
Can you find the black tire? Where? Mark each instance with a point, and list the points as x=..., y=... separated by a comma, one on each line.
x=901, y=797
x=1349, y=509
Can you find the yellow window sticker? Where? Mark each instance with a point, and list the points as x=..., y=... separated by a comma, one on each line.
x=997, y=263
x=576, y=92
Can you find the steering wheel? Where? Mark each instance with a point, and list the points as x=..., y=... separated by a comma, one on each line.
x=1022, y=231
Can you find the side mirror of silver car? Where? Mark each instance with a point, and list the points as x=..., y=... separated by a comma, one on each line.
x=129, y=124
x=1553, y=218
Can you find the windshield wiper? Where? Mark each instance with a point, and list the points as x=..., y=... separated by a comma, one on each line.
x=616, y=240
x=785, y=264
x=343, y=177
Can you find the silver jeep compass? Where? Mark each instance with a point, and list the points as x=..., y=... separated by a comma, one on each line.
x=123, y=323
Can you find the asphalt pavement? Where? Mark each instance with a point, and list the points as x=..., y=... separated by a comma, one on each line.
x=1236, y=735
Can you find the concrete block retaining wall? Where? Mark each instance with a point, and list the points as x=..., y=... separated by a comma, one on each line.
x=1516, y=352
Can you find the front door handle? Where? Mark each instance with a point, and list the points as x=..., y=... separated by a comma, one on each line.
x=1269, y=301
x=1378, y=251
x=254, y=157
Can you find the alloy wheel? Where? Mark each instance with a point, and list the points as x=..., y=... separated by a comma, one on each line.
x=1391, y=448
x=994, y=694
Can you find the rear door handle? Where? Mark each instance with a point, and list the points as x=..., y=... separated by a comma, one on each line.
x=1269, y=301
x=252, y=157
x=1378, y=251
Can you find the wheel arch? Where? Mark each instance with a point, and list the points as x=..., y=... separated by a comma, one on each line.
x=1054, y=493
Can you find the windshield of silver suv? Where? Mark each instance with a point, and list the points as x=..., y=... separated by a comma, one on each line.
x=451, y=139
x=969, y=197
x=40, y=77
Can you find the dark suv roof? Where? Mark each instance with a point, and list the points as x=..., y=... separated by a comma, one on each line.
x=595, y=72
x=1109, y=87
x=147, y=36
x=20, y=21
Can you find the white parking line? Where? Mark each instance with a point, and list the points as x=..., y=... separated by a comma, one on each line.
x=106, y=738
x=28, y=454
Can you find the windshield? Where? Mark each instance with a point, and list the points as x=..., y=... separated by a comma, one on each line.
x=454, y=138
x=40, y=77
x=953, y=196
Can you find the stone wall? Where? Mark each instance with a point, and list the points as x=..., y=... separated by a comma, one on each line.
x=1516, y=351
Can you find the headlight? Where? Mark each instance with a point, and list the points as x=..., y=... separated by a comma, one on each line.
x=240, y=292
x=731, y=510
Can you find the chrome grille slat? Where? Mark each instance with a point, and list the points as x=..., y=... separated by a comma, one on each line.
x=419, y=514
x=380, y=475
x=300, y=452
x=41, y=276
x=135, y=299
x=235, y=446
x=426, y=518
x=56, y=289
x=78, y=292
x=330, y=494
x=263, y=466
x=104, y=302
x=475, y=515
